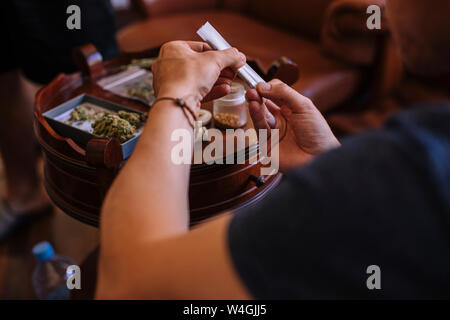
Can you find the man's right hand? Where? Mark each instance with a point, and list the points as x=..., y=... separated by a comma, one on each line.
x=308, y=132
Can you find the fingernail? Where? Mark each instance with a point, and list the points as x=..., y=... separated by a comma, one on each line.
x=263, y=86
x=243, y=57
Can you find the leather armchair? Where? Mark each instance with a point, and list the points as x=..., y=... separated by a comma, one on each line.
x=264, y=30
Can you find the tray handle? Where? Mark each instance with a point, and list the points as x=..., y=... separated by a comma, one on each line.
x=104, y=152
x=88, y=60
x=53, y=134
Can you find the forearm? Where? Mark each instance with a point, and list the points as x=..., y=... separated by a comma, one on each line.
x=147, y=205
x=149, y=198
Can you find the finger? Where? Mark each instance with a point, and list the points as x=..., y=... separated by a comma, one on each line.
x=257, y=114
x=228, y=73
x=286, y=112
x=253, y=95
x=178, y=44
x=198, y=46
x=223, y=80
x=282, y=94
x=229, y=58
x=271, y=106
x=217, y=91
x=270, y=119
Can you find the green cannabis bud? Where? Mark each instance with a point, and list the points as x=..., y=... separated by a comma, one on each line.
x=79, y=114
x=83, y=113
x=142, y=91
x=145, y=63
x=113, y=126
x=133, y=118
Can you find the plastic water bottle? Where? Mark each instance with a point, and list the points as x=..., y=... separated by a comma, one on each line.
x=50, y=275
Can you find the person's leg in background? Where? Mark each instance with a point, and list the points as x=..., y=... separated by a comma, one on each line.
x=40, y=44
x=24, y=196
x=18, y=145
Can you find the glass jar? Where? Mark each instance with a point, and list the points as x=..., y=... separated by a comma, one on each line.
x=230, y=111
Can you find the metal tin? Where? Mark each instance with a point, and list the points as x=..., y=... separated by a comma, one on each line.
x=82, y=137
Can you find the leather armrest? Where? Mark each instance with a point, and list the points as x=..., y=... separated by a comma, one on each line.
x=154, y=8
x=330, y=89
x=345, y=34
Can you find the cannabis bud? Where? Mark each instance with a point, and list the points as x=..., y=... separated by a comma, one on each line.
x=113, y=126
x=133, y=118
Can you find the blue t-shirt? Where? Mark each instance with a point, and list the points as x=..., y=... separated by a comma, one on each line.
x=380, y=200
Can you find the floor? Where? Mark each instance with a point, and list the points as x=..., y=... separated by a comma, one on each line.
x=68, y=237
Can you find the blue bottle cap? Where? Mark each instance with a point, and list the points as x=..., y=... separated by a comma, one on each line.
x=43, y=251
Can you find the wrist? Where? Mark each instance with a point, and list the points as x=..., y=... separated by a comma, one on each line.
x=177, y=91
x=192, y=100
x=174, y=116
x=188, y=106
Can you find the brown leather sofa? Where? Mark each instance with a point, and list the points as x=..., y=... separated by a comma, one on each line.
x=267, y=30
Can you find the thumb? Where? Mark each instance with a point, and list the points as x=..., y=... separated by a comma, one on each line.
x=228, y=58
x=282, y=94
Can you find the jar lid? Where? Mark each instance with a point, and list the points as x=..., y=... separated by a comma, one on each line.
x=235, y=97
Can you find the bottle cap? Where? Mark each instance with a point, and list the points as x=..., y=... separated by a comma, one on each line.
x=43, y=251
x=235, y=97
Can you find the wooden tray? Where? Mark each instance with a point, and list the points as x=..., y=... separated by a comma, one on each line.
x=77, y=178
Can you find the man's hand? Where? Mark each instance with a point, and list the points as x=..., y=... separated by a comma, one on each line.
x=191, y=69
x=308, y=133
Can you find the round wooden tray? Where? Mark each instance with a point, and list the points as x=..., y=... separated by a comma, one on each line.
x=78, y=178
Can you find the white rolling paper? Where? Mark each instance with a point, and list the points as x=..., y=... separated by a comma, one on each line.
x=216, y=41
